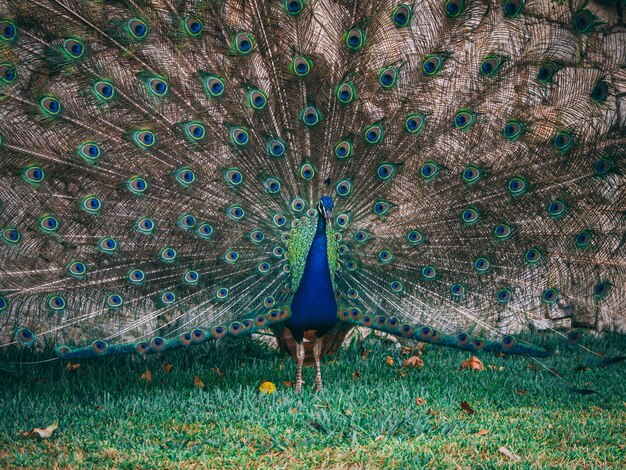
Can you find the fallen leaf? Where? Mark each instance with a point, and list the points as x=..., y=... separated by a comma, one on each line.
x=71, y=367
x=379, y=438
x=167, y=367
x=419, y=401
x=356, y=374
x=348, y=412
x=365, y=353
x=44, y=433
x=509, y=454
x=482, y=432
x=466, y=407
x=473, y=363
x=405, y=351
x=147, y=376
x=413, y=361
x=389, y=361
x=198, y=383
x=402, y=372
x=521, y=392
x=217, y=372
x=432, y=412
x=267, y=388
x=550, y=426
x=288, y=384
x=294, y=411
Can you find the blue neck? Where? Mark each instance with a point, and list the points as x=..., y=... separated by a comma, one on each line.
x=314, y=306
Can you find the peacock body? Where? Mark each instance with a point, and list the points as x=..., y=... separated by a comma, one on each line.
x=176, y=171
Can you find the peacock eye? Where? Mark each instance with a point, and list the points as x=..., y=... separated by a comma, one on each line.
x=90, y=204
x=429, y=273
x=429, y=170
x=137, y=28
x=550, y=296
x=601, y=290
x=432, y=64
x=502, y=232
x=343, y=187
x=193, y=26
x=77, y=269
x=271, y=185
x=512, y=8
x=257, y=99
x=471, y=174
x=401, y=15
x=563, y=141
x=73, y=48
x=107, y=245
x=343, y=149
x=11, y=236
x=533, y=256
x=464, y=119
x=517, y=186
x=457, y=290
x=386, y=171
x=144, y=139
x=204, y=230
x=381, y=207
x=482, y=265
x=307, y=171
x=137, y=185
x=48, y=224
x=244, y=43
x=157, y=87
x=415, y=237
x=490, y=66
x=470, y=216
x=8, y=31
x=191, y=277
x=557, y=208
x=373, y=134
x=355, y=39
x=301, y=66
x=145, y=226
x=504, y=296
x=584, y=21
x=114, y=301
x=235, y=212
x=239, y=136
x=600, y=92
x=50, y=106
x=513, y=130
x=294, y=7
x=7, y=73
x=454, y=8
x=388, y=77
x=583, y=239
x=414, y=123
x=33, y=175
x=276, y=148
x=104, y=90
x=345, y=93
x=547, y=71
x=214, y=86
x=310, y=116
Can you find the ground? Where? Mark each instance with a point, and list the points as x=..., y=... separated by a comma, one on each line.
x=202, y=408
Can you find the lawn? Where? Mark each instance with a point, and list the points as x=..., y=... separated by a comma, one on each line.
x=202, y=408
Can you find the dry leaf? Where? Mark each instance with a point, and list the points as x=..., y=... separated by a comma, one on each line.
x=509, y=454
x=356, y=374
x=419, y=401
x=521, y=392
x=413, y=361
x=550, y=426
x=389, y=361
x=473, y=363
x=466, y=407
x=482, y=432
x=405, y=351
x=44, y=433
x=432, y=412
x=147, y=376
x=294, y=411
x=288, y=384
x=71, y=367
x=379, y=438
x=198, y=383
x=402, y=372
x=365, y=353
x=267, y=388
x=218, y=372
x=167, y=367
x=348, y=412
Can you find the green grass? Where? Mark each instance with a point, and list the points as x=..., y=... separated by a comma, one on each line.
x=367, y=416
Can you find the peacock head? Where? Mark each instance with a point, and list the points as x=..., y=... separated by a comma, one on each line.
x=325, y=208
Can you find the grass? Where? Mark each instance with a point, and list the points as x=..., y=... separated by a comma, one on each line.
x=370, y=414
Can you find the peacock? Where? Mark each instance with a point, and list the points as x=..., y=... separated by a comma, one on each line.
x=178, y=171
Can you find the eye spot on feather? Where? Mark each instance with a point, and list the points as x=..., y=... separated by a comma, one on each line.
x=432, y=64
x=8, y=73
x=49, y=224
x=73, y=48
x=89, y=151
x=345, y=93
x=429, y=273
x=504, y=296
x=204, y=230
x=429, y=170
x=114, y=301
x=482, y=265
x=294, y=7
x=584, y=21
x=307, y=171
x=415, y=237
x=221, y=293
x=401, y=15
x=192, y=26
x=556, y=208
x=388, y=77
x=602, y=166
x=276, y=148
x=186, y=221
x=386, y=171
x=11, y=235
x=77, y=269
x=513, y=129
x=464, y=119
x=137, y=29
x=454, y=8
x=342, y=220
x=533, y=256
x=600, y=92
x=145, y=226
x=471, y=174
x=457, y=290
x=8, y=31
x=351, y=265
x=239, y=136
x=414, y=123
x=56, y=303
x=144, y=139
x=279, y=220
x=136, y=276
x=90, y=204
x=355, y=39
x=601, y=290
x=185, y=176
x=546, y=71
x=301, y=66
x=373, y=134
x=167, y=255
x=257, y=99
x=243, y=43
x=272, y=185
x=195, y=131
x=107, y=245
x=310, y=116
x=297, y=204
x=25, y=336
x=563, y=141
x=233, y=177
x=191, y=277
x=50, y=106
x=502, y=231
x=490, y=66
x=583, y=239
x=385, y=256
x=235, y=212
x=33, y=175
x=512, y=8
x=517, y=186
x=137, y=185
x=470, y=216
x=550, y=296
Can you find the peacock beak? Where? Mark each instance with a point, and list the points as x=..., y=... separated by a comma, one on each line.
x=328, y=215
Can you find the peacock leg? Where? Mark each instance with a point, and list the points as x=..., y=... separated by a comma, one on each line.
x=317, y=352
x=300, y=357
